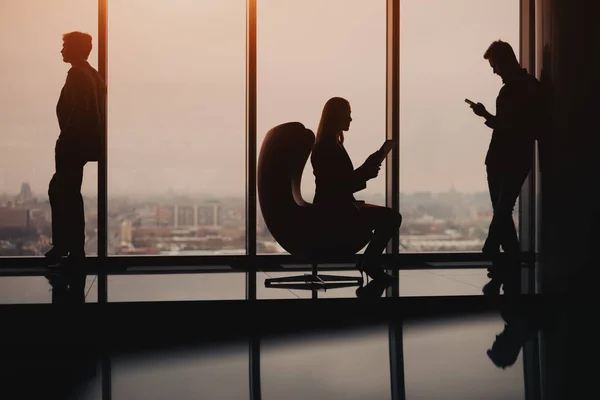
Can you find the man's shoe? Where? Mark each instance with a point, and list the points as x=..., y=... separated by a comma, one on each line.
x=492, y=288
x=507, y=346
x=373, y=290
x=377, y=272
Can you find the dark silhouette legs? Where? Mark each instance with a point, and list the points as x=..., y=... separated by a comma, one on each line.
x=68, y=232
x=68, y=287
x=68, y=221
x=384, y=222
x=504, y=190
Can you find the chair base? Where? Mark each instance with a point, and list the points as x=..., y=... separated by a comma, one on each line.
x=314, y=282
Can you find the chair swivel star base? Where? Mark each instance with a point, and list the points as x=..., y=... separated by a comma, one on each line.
x=314, y=281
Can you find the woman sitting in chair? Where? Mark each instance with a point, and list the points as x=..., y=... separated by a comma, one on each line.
x=336, y=182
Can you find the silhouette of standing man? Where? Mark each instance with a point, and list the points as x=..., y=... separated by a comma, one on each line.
x=509, y=159
x=81, y=117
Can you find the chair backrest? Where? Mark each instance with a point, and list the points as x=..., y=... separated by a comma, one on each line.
x=299, y=227
x=281, y=161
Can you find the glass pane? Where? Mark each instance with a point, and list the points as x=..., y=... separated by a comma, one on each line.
x=351, y=365
x=444, y=197
x=312, y=50
x=30, y=41
x=177, y=287
x=448, y=360
x=422, y=282
x=24, y=289
x=443, y=282
x=220, y=372
x=40, y=289
x=176, y=127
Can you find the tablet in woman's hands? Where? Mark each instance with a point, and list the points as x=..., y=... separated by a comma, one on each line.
x=385, y=149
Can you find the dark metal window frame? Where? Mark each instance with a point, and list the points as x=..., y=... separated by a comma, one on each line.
x=528, y=201
x=104, y=265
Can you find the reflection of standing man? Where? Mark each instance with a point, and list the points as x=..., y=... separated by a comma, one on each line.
x=81, y=112
x=509, y=159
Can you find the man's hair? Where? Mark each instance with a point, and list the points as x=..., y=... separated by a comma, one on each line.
x=500, y=51
x=80, y=42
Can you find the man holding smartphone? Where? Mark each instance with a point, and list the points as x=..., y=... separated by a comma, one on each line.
x=516, y=125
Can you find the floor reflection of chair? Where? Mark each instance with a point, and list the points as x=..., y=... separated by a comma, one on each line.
x=292, y=221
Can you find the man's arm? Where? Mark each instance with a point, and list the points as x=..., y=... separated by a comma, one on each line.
x=513, y=112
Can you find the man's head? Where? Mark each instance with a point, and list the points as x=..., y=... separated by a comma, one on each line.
x=502, y=58
x=76, y=47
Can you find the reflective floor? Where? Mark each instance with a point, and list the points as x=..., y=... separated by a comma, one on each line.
x=444, y=360
x=447, y=356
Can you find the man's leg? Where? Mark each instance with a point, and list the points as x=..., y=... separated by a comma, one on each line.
x=73, y=226
x=58, y=209
x=75, y=217
x=509, y=239
x=492, y=243
x=491, y=248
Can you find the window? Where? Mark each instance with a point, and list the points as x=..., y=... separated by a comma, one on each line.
x=176, y=127
x=32, y=76
x=443, y=188
x=176, y=287
x=309, y=51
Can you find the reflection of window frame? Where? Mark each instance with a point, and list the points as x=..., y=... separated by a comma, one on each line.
x=528, y=200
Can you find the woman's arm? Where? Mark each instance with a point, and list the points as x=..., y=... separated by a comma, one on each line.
x=331, y=171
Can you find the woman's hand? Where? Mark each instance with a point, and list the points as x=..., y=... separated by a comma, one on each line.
x=371, y=166
x=368, y=170
x=375, y=158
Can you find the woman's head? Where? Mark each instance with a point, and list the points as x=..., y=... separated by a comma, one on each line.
x=335, y=119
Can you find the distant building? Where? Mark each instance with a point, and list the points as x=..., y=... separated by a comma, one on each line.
x=25, y=194
x=165, y=216
x=126, y=232
x=209, y=215
x=39, y=218
x=186, y=216
x=13, y=217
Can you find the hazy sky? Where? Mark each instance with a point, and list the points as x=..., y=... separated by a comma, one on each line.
x=177, y=86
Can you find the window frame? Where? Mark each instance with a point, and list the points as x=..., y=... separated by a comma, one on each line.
x=104, y=265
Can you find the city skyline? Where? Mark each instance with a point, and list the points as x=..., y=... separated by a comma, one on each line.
x=41, y=192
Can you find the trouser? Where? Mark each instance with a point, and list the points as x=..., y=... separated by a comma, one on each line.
x=504, y=188
x=68, y=287
x=384, y=222
x=66, y=202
